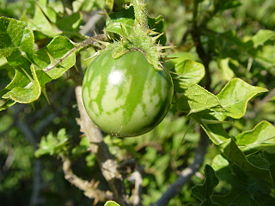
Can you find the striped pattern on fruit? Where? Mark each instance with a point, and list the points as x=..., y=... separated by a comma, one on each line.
x=126, y=96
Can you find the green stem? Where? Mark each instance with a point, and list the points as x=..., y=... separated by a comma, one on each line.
x=140, y=14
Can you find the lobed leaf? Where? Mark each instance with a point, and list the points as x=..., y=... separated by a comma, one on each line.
x=189, y=73
x=216, y=133
x=26, y=94
x=262, y=37
x=121, y=23
x=15, y=35
x=204, y=192
x=61, y=56
x=42, y=22
x=234, y=155
x=195, y=98
x=69, y=23
x=235, y=96
x=53, y=144
x=261, y=136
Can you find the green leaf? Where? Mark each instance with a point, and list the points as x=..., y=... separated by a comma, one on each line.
x=238, y=187
x=216, y=133
x=4, y=104
x=83, y=147
x=40, y=22
x=262, y=37
x=20, y=79
x=62, y=58
x=219, y=162
x=234, y=155
x=261, y=136
x=111, y=203
x=157, y=25
x=53, y=144
x=15, y=35
x=69, y=23
x=83, y=5
x=204, y=192
x=109, y=4
x=195, y=98
x=49, y=12
x=26, y=94
x=189, y=73
x=228, y=4
x=227, y=72
x=121, y=23
x=235, y=96
x=267, y=55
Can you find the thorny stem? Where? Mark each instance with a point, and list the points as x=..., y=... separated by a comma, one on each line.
x=106, y=161
x=87, y=42
x=140, y=15
x=90, y=188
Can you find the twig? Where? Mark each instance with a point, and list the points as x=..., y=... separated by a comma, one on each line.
x=107, y=163
x=137, y=191
x=89, y=187
x=187, y=173
x=90, y=41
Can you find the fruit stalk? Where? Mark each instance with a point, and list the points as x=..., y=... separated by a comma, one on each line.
x=140, y=14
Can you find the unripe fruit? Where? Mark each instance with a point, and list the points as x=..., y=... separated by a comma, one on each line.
x=126, y=96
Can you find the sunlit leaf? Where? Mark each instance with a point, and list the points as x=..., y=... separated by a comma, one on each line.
x=111, y=203
x=189, y=73
x=26, y=94
x=53, y=144
x=261, y=136
x=61, y=56
x=235, y=96
x=263, y=36
x=195, y=98
x=15, y=35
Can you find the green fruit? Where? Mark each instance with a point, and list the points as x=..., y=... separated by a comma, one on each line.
x=126, y=96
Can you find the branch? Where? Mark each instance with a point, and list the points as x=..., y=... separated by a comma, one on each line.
x=89, y=187
x=137, y=191
x=87, y=42
x=187, y=173
x=107, y=163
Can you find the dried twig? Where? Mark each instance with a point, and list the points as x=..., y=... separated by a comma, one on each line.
x=107, y=163
x=137, y=191
x=89, y=187
x=187, y=173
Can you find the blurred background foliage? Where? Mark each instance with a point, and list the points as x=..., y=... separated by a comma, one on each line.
x=226, y=36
